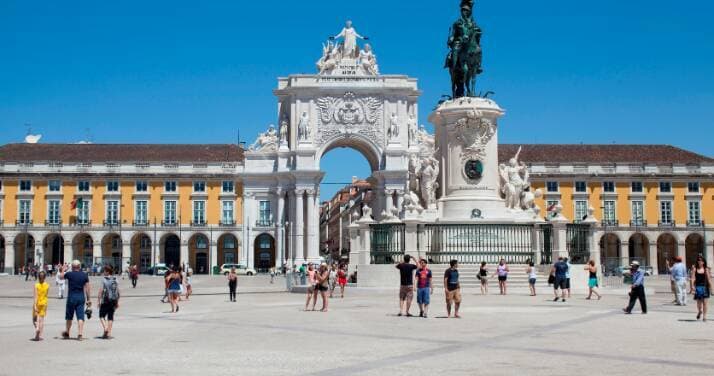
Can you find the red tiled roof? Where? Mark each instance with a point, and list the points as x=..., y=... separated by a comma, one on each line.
x=120, y=153
x=601, y=154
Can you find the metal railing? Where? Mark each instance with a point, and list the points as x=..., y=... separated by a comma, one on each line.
x=546, y=244
x=474, y=243
x=387, y=242
x=577, y=243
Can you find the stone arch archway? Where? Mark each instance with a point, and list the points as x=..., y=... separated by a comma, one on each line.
x=666, y=251
x=610, y=246
x=112, y=251
x=24, y=250
x=53, y=246
x=83, y=249
x=371, y=152
x=694, y=246
x=198, y=246
x=171, y=250
x=264, y=251
x=141, y=250
x=228, y=249
x=638, y=247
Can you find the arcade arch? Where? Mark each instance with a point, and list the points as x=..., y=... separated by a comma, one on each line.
x=53, y=246
x=610, y=246
x=83, y=249
x=141, y=251
x=694, y=246
x=198, y=246
x=228, y=252
x=638, y=248
x=24, y=250
x=264, y=251
x=171, y=250
x=666, y=251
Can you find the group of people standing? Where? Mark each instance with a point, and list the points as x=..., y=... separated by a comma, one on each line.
x=697, y=283
x=78, y=304
x=417, y=276
x=323, y=280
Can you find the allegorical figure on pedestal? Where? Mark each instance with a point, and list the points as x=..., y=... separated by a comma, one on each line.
x=514, y=181
x=283, y=131
x=304, y=126
x=464, y=58
x=428, y=181
x=349, y=44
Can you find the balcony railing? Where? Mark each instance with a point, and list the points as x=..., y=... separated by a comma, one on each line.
x=110, y=223
x=264, y=223
x=168, y=223
x=53, y=222
x=666, y=223
x=610, y=222
x=227, y=222
x=638, y=223
x=199, y=223
x=140, y=223
x=23, y=223
x=81, y=222
x=695, y=223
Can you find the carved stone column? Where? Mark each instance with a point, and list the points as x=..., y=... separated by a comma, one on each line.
x=10, y=254
x=313, y=231
x=279, y=241
x=299, y=232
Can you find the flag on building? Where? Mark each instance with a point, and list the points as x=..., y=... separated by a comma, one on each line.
x=76, y=202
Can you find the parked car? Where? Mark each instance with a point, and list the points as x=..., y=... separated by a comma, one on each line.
x=159, y=269
x=240, y=269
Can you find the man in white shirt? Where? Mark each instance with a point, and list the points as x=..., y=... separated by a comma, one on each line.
x=679, y=276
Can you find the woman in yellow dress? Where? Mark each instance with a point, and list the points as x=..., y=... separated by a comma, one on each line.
x=39, y=306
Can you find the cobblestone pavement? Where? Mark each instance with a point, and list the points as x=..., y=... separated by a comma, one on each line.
x=267, y=333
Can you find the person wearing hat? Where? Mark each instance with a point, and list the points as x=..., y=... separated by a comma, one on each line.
x=637, y=290
x=679, y=276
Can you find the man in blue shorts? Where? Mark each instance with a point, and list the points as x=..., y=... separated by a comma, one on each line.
x=560, y=270
x=78, y=296
x=424, y=288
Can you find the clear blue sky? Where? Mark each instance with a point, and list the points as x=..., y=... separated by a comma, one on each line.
x=604, y=71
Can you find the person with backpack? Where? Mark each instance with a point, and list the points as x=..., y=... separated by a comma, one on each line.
x=108, y=301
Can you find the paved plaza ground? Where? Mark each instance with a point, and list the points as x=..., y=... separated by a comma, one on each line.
x=267, y=333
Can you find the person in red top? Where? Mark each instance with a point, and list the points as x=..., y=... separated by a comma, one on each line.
x=342, y=280
x=134, y=275
x=424, y=288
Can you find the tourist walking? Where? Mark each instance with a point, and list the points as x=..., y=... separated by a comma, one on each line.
x=134, y=275
x=39, y=305
x=311, y=286
x=333, y=279
x=559, y=270
x=424, y=288
x=272, y=275
x=167, y=279
x=532, y=276
x=502, y=273
x=406, y=285
x=452, y=289
x=592, y=280
x=60, y=283
x=637, y=291
x=342, y=279
x=78, y=296
x=174, y=290
x=187, y=283
x=108, y=301
x=567, y=276
x=483, y=277
x=232, y=284
x=323, y=284
x=678, y=274
x=701, y=286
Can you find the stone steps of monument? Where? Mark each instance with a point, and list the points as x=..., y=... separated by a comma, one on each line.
x=517, y=276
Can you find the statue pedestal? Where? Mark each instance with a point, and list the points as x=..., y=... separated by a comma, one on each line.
x=467, y=141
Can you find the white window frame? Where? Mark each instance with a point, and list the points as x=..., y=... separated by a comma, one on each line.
x=136, y=212
x=112, y=182
x=224, y=219
x=606, y=217
x=260, y=211
x=233, y=186
x=89, y=186
x=194, y=218
x=699, y=187
x=175, y=212
x=19, y=186
x=19, y=211
x=575, y=186
x=632, y=187
x=144, y=182
x=172, y=182
x=49, y=186
x=106, y=212
x=669, y=183
x=635, y=220
x=694, y=219
x=202, y=182
x=88, y=207
x=614, y=187
x=582, y=215
x=49, y=211
x=670, y=214
x=557, y=185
